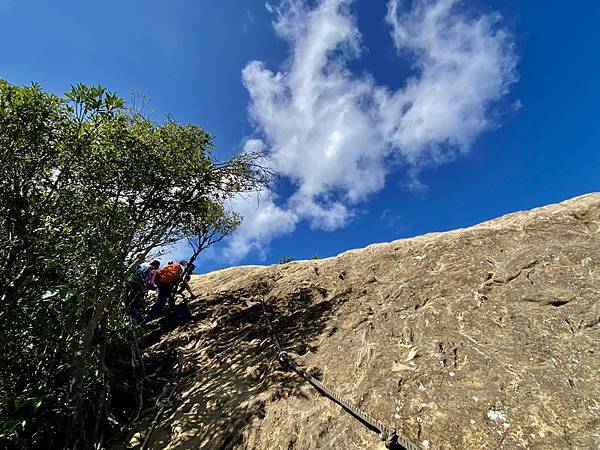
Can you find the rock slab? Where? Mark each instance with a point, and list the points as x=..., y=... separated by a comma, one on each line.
x=483, y=337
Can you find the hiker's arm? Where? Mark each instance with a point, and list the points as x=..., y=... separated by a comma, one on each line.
x=187, y=287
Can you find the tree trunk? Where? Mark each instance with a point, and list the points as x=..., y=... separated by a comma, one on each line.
x=76, y=436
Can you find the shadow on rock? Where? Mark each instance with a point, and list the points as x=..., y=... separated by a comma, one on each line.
x=231, y=370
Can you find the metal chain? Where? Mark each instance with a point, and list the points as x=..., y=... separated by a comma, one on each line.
x=392, y=439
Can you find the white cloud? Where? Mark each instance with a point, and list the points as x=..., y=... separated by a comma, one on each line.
x=254, y=145
x=263, y=220
x=173, y=252
x=247, y=22
x=464, y=65
x=337, y=135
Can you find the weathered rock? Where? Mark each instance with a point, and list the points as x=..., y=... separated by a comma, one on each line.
x=484, y=337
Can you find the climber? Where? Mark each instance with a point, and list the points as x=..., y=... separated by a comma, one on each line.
x=151, y=275
x=138, y=283
x=166, y=279
x=187, y=276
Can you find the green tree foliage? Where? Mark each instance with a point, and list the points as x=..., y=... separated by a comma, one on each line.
x=286, y=259
x=89, y=188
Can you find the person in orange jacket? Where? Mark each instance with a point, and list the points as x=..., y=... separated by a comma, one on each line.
x=166, y=279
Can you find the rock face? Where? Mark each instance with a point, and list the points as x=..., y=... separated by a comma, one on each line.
x=484, y=337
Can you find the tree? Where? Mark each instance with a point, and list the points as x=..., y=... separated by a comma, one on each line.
x=90, y=187
x=286, y=259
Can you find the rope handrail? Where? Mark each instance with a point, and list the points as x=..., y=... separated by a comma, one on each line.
x=393, y=440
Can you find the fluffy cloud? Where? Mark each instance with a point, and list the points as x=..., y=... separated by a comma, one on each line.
x=263, y=220
x=337, y=135
x=464, y=65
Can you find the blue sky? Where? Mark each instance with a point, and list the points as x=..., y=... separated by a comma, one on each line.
x=509, y=88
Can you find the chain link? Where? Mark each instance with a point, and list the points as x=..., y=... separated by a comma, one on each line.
x=392, y=439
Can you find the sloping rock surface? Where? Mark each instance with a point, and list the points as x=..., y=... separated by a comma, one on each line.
x=484, y=337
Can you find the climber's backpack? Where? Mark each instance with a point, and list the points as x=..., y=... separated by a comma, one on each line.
x=167, y=274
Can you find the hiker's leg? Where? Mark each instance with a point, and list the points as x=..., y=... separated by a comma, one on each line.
x=136, y=314
x=164, y=291
x=187, y=287
x=171, y=296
